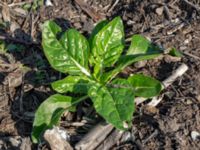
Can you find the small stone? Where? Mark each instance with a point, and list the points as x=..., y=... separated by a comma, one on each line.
x=130, y=22
x=195, y=135
x=125, y=125
x=77, y=25
x=189, y=102
x=182, y=48
x=127, y=136
x=159, y=11
x=14, y=26
x=198, y=98
x=48, y=3
x=140, y=64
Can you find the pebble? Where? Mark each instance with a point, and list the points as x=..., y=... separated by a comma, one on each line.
x=77, y=25
x=195, y=135
x=140, y=64
x=183, y=48
x=14, y=26
x=159, y=11
x=48, y=3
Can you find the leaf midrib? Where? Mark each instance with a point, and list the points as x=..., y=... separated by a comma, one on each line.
x=81, y=68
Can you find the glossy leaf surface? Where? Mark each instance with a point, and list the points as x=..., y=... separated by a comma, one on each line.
x=114, y=104
x=175, y=52
x=108, y=44
x=139, y=45
x=48, y=114
x=75, y=84
x=69, y=54
x=125, y=61
x=96, y=29
x=145, y=86
x=112, y=99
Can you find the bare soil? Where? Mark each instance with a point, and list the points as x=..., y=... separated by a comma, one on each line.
x=25, y=73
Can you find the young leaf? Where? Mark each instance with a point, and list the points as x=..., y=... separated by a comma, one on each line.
x=96, y=29
x=116, y=105
x=125, y=61
x=145, y=86
x=108, y=44
x=69, y=54
x=139, y=45
x=175, y=52
x=75, y=84
x=49, y=112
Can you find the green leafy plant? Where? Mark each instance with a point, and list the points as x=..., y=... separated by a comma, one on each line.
x=175, y=52
x=92, y=67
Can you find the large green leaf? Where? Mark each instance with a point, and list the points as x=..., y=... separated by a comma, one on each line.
x=49, y=112
x=75, y=84
x=107, y=45
x=114, y=104
x=125, y=61
x=145, y=86
x=69, y=54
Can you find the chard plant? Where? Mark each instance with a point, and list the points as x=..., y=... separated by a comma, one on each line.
x=91, y=67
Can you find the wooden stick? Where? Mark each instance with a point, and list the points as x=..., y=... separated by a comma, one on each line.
x=110, y=141
x=113, y=6
x=89, y=10
x=94, y=137
x=177, y=73
x=57, y=139
x=192, y=5
x=167, y=82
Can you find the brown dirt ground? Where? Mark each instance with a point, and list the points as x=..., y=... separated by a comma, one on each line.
x=167, y=23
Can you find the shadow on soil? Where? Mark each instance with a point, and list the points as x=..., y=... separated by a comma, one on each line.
x=34, y=88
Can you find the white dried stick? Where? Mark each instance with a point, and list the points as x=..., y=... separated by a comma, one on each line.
x=57, y=139
x=94, y=137
x=177, y=73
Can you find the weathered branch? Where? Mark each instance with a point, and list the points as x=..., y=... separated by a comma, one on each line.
x=168, y=81
x=94, y=137
x=57, y=139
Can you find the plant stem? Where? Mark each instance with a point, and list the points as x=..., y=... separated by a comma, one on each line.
x=80, y=99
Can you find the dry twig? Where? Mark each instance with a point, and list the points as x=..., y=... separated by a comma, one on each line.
x=90, y=11
x=192, y=5
x=177, y=73
x=191, y=55
x=113, y=6
x=56, y=140
x=94, y=137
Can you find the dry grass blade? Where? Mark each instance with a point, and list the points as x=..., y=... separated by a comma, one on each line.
x=6, y=13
